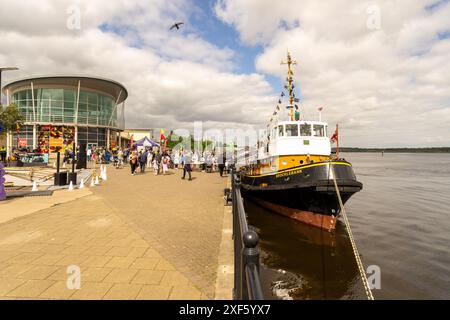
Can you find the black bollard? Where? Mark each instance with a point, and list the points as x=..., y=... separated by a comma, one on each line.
x=58, y=158
x=60, y=178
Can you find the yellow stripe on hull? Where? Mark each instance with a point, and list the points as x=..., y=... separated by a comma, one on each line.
x=299, y=168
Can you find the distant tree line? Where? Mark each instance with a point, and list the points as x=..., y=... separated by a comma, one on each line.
x=396, y=150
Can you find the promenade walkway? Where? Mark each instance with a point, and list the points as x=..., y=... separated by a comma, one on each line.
x=133, y=237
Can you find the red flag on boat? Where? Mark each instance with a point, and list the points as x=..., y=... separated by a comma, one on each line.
x=335, y=136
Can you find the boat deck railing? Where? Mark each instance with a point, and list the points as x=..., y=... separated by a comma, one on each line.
x=247, y=281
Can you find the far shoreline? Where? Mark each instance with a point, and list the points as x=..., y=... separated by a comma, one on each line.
x=394, y=150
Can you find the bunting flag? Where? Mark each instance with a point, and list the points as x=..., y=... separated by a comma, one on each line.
x=131, y=140
x=288, y=107
x=296, y=100
x=286, y=87
x=296, y=107
x=282, y=94
x=279, y=101
x=320, y=109
x=161, y=135
x=274, y=113
x=278, y=108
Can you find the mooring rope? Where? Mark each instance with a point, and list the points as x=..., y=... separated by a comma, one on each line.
x=352, y=241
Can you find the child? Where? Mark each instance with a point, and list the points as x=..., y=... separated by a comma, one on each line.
x=155, y=165
x=165, y=164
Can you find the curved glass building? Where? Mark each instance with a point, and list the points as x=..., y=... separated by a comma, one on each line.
x=62, y=109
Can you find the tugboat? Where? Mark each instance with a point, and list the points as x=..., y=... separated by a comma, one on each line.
x=294, y=168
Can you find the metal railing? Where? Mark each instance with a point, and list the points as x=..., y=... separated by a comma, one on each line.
x=247, y=282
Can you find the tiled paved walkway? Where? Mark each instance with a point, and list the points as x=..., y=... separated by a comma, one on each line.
x=141, y=237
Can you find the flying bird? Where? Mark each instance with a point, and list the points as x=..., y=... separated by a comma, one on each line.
x=176, y=25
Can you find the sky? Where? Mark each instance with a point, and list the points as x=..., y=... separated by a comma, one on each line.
x=381, y=69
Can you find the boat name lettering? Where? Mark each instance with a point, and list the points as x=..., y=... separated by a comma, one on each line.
x=285, y=174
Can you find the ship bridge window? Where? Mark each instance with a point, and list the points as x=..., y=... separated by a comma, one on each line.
x=319, y=130
x=280, y=131
x=291, y=130
x=305, y=129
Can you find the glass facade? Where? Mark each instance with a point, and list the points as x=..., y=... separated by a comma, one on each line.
x=58, y=106
x=94, y=136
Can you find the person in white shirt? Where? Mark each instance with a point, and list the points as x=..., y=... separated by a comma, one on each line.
x=89, y=154
x=176, y=159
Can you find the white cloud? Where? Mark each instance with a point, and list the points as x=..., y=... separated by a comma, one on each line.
x=386, y=87
x=173, y=77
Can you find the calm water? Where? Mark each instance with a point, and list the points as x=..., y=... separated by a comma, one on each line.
x=401, y=223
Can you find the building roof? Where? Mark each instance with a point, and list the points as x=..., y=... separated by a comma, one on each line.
x=108, y=86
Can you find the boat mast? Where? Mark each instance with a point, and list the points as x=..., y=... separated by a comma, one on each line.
x=290, y=81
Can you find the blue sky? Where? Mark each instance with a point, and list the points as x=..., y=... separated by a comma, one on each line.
x=204, y=23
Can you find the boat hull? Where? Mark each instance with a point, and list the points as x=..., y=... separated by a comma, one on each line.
x=305, y=193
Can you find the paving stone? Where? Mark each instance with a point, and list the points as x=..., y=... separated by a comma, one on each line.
x=145, y=263
x=96, y=261
x=120, y=262
x=174, y=278
x=185, y=293
x=30, y=289
x=9, y=284
x=58, y=290
x=148, y=277
x=120, y=275
x=91, y=291
x=38, y=272
x=154, y=292
x=119, y=251
x=122, y=291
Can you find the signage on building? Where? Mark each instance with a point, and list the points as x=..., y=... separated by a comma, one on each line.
x=22, y=142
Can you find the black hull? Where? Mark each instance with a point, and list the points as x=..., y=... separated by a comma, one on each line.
x=307, y=188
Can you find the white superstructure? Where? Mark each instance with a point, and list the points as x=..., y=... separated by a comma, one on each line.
x=297, y=138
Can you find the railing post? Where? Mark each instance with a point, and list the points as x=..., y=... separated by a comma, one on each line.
x=251, y=266
x=250, y=250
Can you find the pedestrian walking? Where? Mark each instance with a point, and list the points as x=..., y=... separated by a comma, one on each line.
x=133, y=162
x=176, y=159
x=120, y=157
x=89, y=155
x=149, y=157
x=187, y=166
x=165, y=163
x=221, y=164
x=3, y=154
x=142, y=160
x=155, y=165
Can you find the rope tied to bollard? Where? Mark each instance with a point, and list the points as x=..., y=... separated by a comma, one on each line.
x=353, y=243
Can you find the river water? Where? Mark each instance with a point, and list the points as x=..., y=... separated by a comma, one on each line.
x=400, y=221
